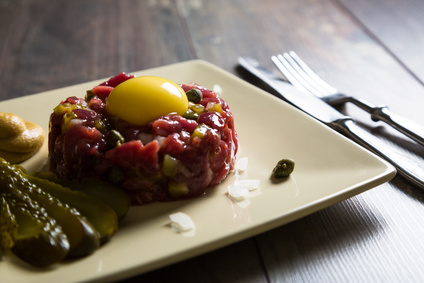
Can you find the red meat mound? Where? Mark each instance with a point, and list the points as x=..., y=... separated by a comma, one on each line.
x=165, y=160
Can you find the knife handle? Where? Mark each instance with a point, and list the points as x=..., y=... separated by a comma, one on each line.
x=412, y=171
x=403, y=125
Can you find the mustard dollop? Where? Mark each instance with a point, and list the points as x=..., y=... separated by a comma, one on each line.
x=19, y=139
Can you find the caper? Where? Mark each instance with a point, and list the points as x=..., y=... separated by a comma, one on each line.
x=283, y=168
x=194, y=95
x=115, y=138
x=190, y=114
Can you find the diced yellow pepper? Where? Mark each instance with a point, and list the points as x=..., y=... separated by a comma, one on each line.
x=217, y=108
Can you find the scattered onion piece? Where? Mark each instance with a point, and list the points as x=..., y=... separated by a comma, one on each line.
x=242, y=164
x=181, y=222
x=241, y=189
x=237, y=193
x=217, y=89
x=250, y=184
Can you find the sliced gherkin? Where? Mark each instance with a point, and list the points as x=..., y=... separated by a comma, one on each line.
x=8, y=226
x=82, y=236
x=103, y=218
x=40, y=241
x=110, y=194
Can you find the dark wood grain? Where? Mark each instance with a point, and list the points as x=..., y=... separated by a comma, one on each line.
x=239, y=262
x=46, y=45
x=370, y=49
x=401, y=33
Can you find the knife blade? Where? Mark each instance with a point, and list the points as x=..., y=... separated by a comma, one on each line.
x=315, y=107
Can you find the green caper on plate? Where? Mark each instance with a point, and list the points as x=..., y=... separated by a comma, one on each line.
x=283, y=169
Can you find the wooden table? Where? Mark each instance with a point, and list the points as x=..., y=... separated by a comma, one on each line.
x=368, y=48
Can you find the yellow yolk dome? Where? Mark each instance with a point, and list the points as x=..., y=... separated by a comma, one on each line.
x=142, y=99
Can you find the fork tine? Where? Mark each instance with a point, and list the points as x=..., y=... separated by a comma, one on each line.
x=312, y=75
x=292, y=74
x=304, y=77
x=301, y=76
x=287, y=70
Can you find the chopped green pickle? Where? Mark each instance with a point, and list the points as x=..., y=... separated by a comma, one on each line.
x=200, y=131
x=66, y=119
x=67, y=108
x=177, y=189
x=169, y=166
x=100, y=125
x=190, y=114
x=60, y=109
x=89, y=95
x=198, y=108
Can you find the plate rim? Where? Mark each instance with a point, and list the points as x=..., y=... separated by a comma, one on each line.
x=386, y=175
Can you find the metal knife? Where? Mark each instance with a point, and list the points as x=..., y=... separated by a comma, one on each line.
x=323, y=112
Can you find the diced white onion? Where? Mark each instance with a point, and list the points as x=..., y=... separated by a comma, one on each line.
x=210, y=106
x=242, y=163
x=75, y=122
x=249, y=184
x=237, y=193
x=217, y=89
x=145, y=138
x=181, y=222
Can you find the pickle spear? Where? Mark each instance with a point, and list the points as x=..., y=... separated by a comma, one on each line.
x=39, y=240
x=82, y=236
x=8, y=226
x=111, y=195
x=103, y=218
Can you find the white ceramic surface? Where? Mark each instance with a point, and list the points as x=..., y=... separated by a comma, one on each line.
x=329, y=169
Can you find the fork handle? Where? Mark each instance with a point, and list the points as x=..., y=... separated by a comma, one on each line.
x=412, y=171
x=403, y=125
x=382, y=113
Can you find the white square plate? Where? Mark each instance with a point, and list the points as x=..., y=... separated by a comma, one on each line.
x=329, y=169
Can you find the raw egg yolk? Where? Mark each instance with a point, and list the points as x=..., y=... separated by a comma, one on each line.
x=142, y=99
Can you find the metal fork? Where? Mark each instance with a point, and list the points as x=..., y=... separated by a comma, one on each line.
x=302, y=77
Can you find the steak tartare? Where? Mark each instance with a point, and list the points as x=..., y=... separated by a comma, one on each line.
x=171, y=157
